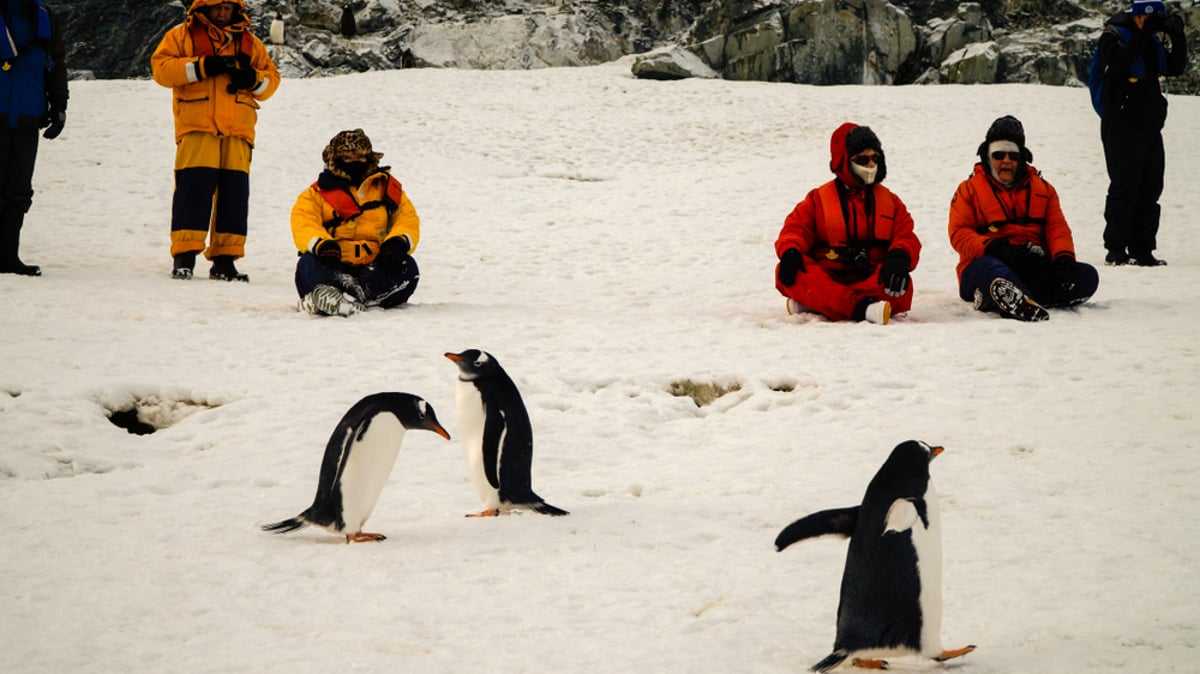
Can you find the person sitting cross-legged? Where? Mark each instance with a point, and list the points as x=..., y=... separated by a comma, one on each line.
x=1016, y=252
x=356, y=230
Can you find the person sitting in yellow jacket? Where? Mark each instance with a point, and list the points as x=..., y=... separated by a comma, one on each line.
x=355, y=229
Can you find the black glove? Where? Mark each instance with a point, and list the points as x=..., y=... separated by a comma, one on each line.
x=1017, y=257
x=1154, y=23
x=893, y=273
x=328, y=253
x=242, y=78
x=55, y=119
x=790, y=264
x=1064, y=272
x=393, y=254
x=215, y=65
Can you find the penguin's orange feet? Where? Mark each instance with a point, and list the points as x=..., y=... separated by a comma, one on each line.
x=864, y=663
x=364, y=537
x=956, y=653
x=492, y=512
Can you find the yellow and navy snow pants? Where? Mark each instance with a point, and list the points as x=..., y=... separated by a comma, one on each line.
x=212, y=194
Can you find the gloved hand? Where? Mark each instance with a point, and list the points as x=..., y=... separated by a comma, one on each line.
x=328, y=253
x=55, y=119
x=790, y=264
x=1064, y=272
x=214, y=65
x=1016, y=256
x=1154, y=23
x=393, y=254
x=242, y=78
x=893, y=273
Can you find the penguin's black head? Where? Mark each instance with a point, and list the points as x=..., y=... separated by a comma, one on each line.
x=474, y=364
x=415, y=413
x=907, y=467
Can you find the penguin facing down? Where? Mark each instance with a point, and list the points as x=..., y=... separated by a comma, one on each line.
x=891, y=597
x=496, y=435
x=358, y=460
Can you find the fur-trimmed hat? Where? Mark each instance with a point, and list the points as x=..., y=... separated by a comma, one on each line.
x=1005, y=128
x=350, y=143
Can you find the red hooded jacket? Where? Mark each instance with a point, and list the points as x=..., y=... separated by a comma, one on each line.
x=843, y=217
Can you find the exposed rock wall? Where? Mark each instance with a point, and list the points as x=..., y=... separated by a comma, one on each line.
x=810, y=41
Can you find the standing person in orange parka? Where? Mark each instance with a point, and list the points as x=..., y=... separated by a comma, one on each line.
x=219, y=73
x=846, y=251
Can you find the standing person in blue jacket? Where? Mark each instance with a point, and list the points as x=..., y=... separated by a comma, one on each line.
x=33, y=95
x=1130, y=57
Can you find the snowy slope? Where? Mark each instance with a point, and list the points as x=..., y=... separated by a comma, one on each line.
x=606, y=239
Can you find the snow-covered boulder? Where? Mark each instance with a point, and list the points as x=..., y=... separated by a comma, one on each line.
x=675, y=63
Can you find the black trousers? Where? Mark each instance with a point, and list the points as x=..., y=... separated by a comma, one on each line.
x=1136, y=161
x=18, y=154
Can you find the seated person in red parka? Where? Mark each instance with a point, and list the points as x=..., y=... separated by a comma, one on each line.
x=1016, y=253
x=356, y=230
x=847, y=250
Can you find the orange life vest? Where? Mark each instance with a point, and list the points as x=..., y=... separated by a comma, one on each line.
x=346, y=207
x=996, y=216
x=839, y=240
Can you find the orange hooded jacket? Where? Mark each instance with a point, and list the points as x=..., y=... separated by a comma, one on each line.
x=1027, y=212
x=203, y=103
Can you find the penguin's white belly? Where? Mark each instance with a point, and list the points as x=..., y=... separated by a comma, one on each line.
x=471, y=418
x=367, y=469
x=927, y=542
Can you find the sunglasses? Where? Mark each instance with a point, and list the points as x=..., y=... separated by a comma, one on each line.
x=865, y=159
x=1012, y=156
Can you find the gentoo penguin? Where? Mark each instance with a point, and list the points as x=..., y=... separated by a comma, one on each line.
x=347, y=25
x=497, y=438
x=358, y=459
x=891, y=601
x=276, y=32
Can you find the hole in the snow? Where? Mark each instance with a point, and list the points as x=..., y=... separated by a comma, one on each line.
x=701, y=393
x=148, y=414
x=128, y=419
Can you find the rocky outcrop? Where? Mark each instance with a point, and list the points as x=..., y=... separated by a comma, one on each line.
x=811, y=41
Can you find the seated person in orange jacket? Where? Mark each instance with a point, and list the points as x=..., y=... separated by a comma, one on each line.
x=1016, y=253
x=846, y=251
x=356, y=230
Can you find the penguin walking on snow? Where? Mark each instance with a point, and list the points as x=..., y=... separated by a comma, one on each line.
x=891, y=598
x=276, y=32
x=497, y=438
x=358, y=460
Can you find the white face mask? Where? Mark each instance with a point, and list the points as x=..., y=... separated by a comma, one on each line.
x=865, y=173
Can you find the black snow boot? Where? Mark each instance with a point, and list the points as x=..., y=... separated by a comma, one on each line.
x=223, y=270
x=10, y=244
x=184, y=264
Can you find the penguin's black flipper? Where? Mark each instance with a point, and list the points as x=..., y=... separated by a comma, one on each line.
x=836, y=522
x=831, y=661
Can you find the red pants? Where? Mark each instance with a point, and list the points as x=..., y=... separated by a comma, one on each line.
x=818, y=291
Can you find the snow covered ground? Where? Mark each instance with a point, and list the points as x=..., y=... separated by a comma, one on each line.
x=610, y=241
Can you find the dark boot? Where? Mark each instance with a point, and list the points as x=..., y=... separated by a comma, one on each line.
x=10, y=244
x=223, y=270
x=184, y=264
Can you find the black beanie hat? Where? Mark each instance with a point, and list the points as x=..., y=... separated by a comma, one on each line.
x=1005, y=128
x=860, y=138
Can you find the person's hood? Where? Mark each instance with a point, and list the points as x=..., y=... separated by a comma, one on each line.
x=840, y=151
x=197, y=5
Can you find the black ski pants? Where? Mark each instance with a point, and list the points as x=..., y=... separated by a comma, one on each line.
x=1136, y=161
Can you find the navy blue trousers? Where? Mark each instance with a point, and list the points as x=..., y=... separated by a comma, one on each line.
x=374, y=286
x=1040, y=281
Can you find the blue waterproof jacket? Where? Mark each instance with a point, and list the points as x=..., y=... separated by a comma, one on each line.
x=32, y=71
